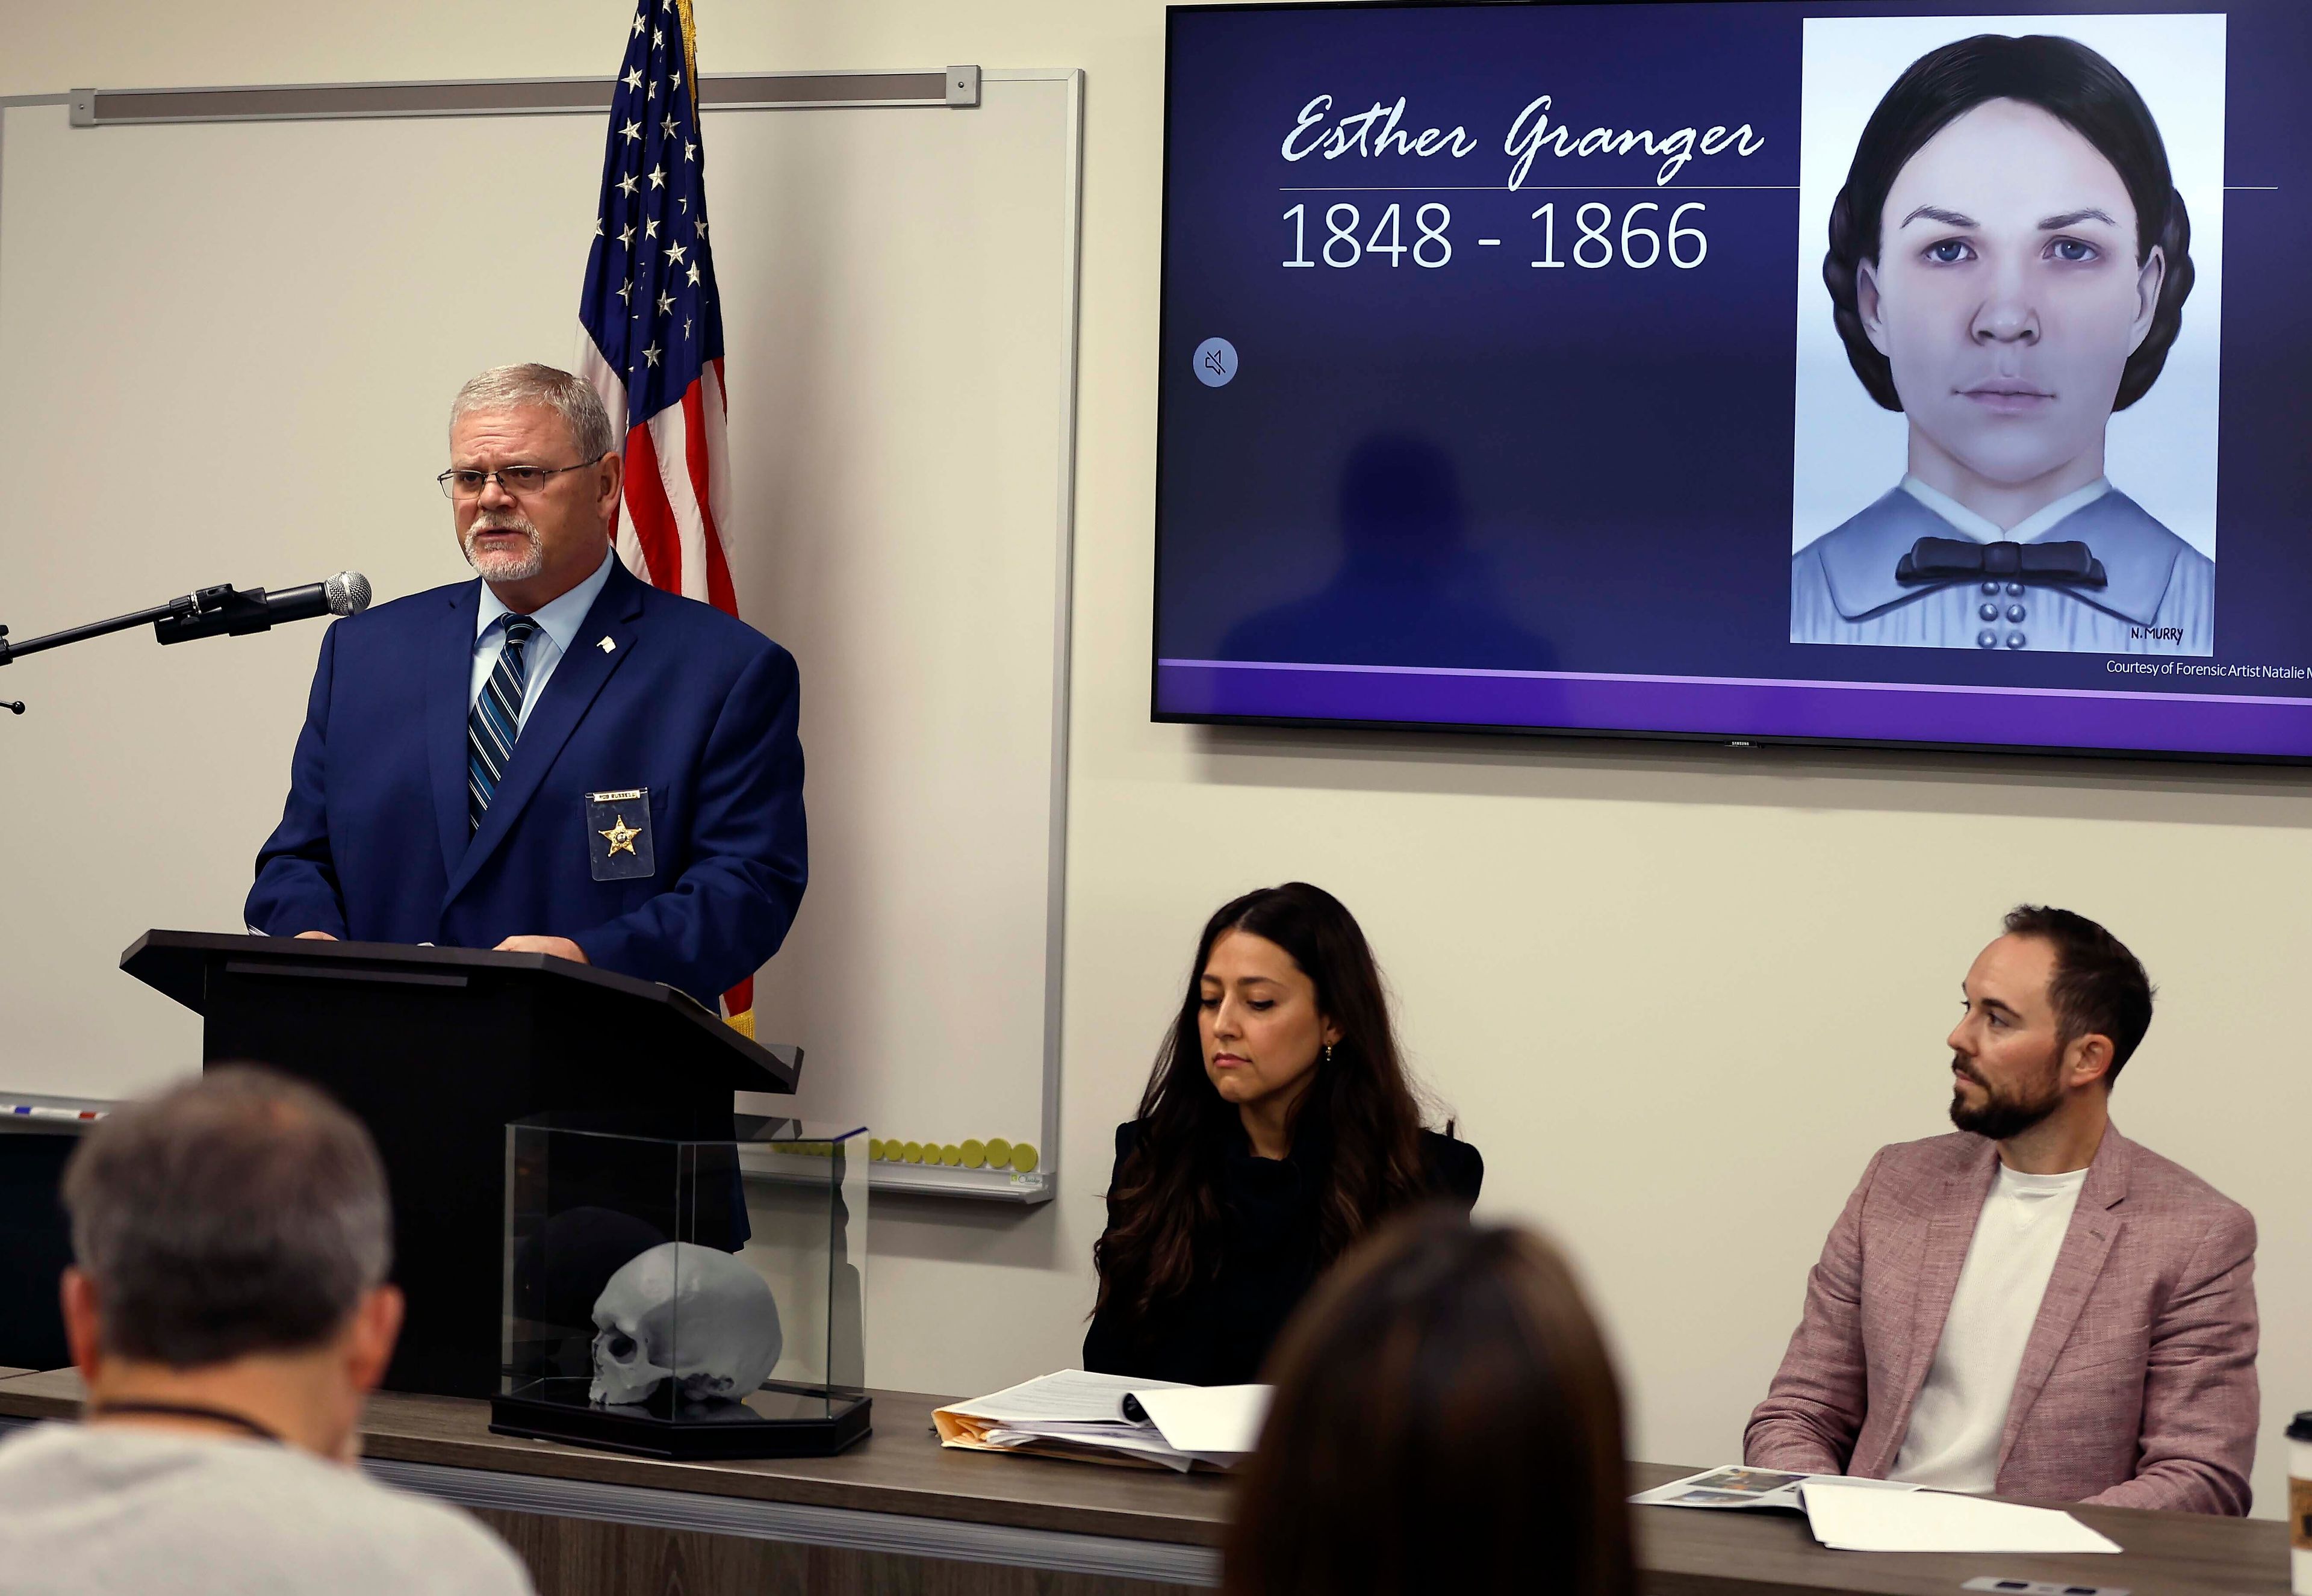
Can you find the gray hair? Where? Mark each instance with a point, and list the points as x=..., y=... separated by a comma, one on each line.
x=516, y=386
x=238, y=1214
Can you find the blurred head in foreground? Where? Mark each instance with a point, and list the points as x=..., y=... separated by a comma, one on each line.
x=230, y=1240
x=1446, y=1418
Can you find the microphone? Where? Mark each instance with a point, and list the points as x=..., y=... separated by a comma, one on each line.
x=238, y=612
x=345, y=594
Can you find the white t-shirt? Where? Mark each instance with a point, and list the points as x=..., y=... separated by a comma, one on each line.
x=1961, y=1414
x=94, y=1510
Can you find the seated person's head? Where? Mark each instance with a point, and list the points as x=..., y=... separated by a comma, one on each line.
x=1284, y=1002
x=1446, y=1418
x=1283, y=1036
x=2054, y=1009
x=230, y=1240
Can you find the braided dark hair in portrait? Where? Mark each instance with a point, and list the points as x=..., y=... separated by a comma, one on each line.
x=2069, y=81
x=1166, y=1216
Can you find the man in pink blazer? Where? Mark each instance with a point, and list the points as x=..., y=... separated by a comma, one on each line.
x=2036, y=1306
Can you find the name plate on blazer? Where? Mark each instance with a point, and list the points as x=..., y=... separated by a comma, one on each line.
x=618, y=835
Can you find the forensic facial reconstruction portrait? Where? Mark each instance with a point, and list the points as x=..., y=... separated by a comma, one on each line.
x=2007, y=266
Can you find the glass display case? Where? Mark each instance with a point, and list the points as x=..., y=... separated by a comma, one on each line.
x=685, y=1296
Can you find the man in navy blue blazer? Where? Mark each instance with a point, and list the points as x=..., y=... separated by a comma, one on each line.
x=556, y=758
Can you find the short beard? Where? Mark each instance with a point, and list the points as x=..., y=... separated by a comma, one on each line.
x=505, y=567
x=2003, y=1119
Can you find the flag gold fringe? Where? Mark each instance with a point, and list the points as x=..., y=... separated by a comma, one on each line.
x=690, y=57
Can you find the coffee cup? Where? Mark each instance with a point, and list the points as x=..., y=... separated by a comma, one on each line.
x=2299, y=1504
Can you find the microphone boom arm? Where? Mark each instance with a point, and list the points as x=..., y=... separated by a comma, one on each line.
x=230, y=610
x=158, y=615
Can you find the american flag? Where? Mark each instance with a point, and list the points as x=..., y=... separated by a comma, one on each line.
x=651, y=327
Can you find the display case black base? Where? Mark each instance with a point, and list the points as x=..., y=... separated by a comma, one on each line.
x=778, y=1421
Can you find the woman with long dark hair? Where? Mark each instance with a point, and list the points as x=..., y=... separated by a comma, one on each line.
x=1446, y=1419
x=1277, y=1128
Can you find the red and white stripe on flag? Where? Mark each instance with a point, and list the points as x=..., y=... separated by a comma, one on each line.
x=677, y=485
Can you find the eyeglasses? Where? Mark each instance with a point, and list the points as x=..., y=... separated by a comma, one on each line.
x=518, y=480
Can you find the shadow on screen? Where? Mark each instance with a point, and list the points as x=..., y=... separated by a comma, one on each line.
x=1408, y=591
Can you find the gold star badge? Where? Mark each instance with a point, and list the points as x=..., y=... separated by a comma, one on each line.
x=620, y=837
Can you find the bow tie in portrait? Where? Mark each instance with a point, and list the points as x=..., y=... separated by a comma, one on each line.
x=1956, y=559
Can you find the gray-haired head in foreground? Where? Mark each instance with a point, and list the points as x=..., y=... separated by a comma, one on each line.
x=515, y=387
x=238, y=1214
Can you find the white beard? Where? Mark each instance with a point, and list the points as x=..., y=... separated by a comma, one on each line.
x=502, y=566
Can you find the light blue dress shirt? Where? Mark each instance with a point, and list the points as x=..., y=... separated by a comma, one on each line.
x=557, y=631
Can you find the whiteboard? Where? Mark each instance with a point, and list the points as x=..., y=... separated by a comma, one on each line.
x=232, y=348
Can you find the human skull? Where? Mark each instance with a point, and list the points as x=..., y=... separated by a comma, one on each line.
x=686, y=1313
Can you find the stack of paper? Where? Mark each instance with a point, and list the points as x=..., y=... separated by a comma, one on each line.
x=1110, y=1418
x=1735, y=1485
x=1882, y=1515
x=1864, y=1521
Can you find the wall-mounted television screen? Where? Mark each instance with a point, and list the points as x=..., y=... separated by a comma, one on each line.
x=1752, y=370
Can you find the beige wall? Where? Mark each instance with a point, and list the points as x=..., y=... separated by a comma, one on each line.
x=1677, y=996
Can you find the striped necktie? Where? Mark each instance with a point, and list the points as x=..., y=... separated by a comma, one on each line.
x=496, y=723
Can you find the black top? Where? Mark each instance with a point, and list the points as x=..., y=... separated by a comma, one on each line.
x=1219, y=1331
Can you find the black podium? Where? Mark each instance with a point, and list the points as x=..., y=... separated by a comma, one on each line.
x=437, y=1050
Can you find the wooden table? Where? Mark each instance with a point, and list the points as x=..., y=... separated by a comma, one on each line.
x=900, y=1515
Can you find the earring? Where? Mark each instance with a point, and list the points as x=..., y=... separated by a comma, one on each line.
x=1328, y=1055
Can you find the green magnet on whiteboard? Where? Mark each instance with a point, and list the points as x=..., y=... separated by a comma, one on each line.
x=913, y=1153
x=999, y=1153
x=975, y=1154
x=1023, y=1157
x=951, y=1156
x=875, y=1147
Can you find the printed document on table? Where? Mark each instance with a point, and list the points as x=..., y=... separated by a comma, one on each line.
x=1114, y=1444
x=1072, y=1395
x=1864, y=1521
x=1110, y=1418
x=1210, y=1421
x=1737, y=1487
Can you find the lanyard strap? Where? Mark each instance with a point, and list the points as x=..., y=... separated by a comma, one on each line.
x=193, y=1410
